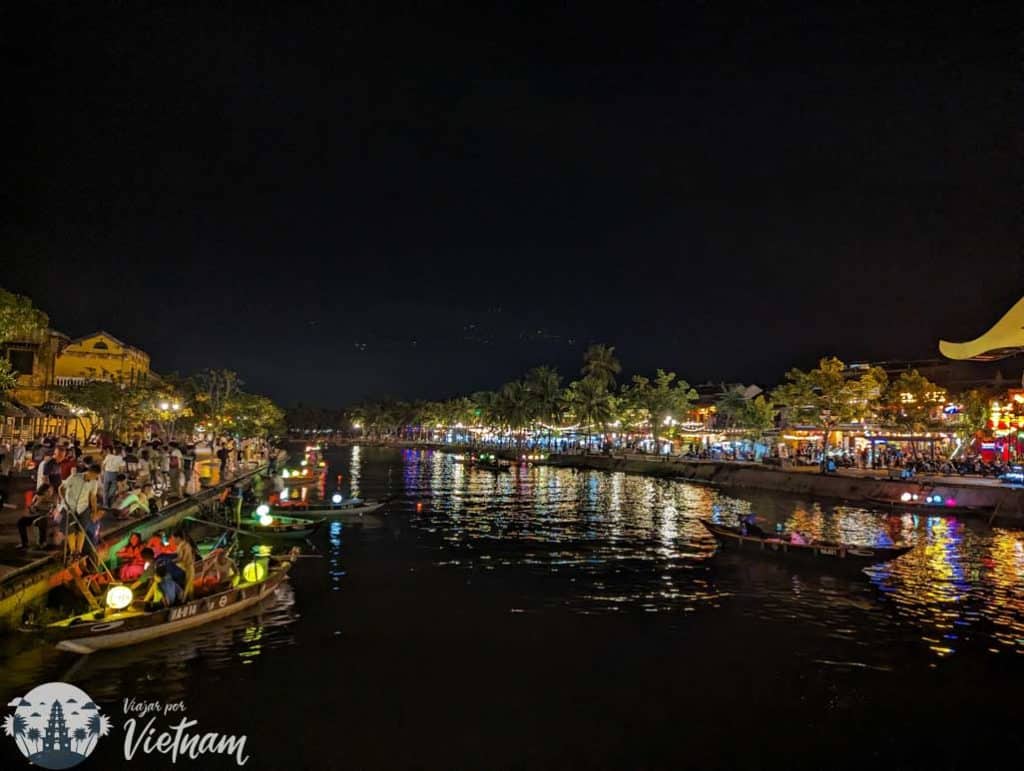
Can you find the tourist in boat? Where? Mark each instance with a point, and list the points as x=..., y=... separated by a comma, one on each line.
x=749, y=526
x=131, y=559
x=185, y=557
x=218, y=568
x=163, y=591
x=39, y=511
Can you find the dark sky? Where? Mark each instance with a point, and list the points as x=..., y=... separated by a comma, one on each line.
x=342, y=201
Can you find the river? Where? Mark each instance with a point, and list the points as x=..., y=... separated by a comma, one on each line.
x=553, y=618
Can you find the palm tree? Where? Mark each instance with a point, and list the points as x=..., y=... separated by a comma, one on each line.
x=591, y=403
x=514, y=398
x=545, y=387
x=80, y=736
x=35, y=737
x=600, y=364
x=98, y=725
x=731, y=406
x=15, y=725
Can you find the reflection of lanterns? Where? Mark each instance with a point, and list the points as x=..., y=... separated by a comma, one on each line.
x=254, y=571
x=336, y=498
x=262, y=510
x=119, y=597
x=266, y=520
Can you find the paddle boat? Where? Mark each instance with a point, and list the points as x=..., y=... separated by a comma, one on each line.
x=264, y=524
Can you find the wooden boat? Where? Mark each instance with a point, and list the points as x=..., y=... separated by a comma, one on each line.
x=303, y=479
x=351, y=507
x=823, y=554
x=928, y=507
x=103, y=629
x=281, y=527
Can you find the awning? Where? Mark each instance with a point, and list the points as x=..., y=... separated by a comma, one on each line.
x=56, y=410
x=8, y=410
x=29, y=412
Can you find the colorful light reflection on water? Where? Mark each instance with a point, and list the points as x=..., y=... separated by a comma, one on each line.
x=635, y=543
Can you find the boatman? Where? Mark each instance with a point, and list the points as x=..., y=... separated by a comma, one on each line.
x=749, y=526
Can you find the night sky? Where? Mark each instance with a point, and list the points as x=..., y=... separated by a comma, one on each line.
x=343, y=202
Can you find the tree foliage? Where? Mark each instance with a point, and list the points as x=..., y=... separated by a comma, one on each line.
x=19, y=319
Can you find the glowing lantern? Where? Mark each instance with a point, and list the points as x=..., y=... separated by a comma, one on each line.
x=336, y=499
x=305, y=463
x=905, y=497
x=119, y=597
x=285, y=474
x=266, y=520
x=254, y=571
x=262, y=510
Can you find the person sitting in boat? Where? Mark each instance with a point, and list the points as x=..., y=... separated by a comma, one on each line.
x=131, y=559
x=164, y=591
x=217, y=569
x=185, y=559
x=158, y=542
x=749, y=526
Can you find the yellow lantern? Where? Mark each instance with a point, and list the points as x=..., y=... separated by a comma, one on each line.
x=254, y=571
x=266, y=520
x=119, y=597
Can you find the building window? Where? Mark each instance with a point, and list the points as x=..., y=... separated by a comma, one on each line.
x=100, y=346
x=22, y=362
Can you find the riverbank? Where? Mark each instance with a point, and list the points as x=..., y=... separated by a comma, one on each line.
x=981, y=498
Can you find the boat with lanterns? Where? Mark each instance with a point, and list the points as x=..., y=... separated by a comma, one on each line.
x=267, y=524
x=928, y=501
x=311, y=470
x=122, y=622
x=488, y=461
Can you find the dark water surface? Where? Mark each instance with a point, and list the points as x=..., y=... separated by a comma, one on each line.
x=548, y=618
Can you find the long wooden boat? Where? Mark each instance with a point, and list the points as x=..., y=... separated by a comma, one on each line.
x=104, y=629
x=280, y=527
x=486, y=465
x=305, y=479
x=824, y=554
x=932, y=508
x=353, y=507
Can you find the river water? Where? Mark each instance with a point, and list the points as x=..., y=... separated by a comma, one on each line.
x=553, y=618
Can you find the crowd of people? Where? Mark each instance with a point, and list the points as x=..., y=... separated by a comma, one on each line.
x=75, y=488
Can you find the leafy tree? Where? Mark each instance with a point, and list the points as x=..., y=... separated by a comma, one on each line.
x=118, y=406
x=827, y=396
x=251, y=415
x=731, y=407
x=514, y=407
x=19, y=319
x=974, y=415
x=661, y=399
x=911, y=403
x=600, y=365
x=211, y=393
x=8, y=377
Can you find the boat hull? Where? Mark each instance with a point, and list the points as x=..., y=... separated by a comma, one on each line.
x=824, y=555
x=119, y=633
x=328, y=512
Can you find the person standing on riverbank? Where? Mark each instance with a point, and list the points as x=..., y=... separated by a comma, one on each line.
x=113, y=464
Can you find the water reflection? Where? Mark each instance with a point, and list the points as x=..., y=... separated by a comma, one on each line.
x=633, y=543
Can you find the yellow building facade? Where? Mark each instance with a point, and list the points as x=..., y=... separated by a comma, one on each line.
x=100, y=356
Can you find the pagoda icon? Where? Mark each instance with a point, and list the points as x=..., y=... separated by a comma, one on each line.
x=56, y=738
